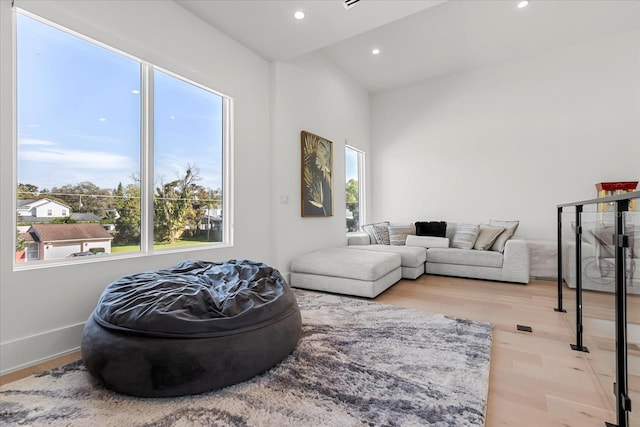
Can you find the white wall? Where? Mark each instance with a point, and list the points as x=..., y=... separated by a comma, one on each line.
x=42, y=311
x=509, y=141
x=311, y=94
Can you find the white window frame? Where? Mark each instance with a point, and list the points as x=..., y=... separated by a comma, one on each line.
x=146, y=155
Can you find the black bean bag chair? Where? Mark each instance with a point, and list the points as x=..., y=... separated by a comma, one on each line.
x=195, y=327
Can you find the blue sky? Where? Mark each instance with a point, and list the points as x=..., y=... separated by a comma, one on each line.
x=79, y=115
x=351, y=165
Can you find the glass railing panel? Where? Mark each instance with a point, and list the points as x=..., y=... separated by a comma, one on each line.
x=598, y=296
x=632, y=225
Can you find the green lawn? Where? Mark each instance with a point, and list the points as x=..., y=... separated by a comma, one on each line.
x=176, y=244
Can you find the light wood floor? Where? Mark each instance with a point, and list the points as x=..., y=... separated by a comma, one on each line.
x=536, y=379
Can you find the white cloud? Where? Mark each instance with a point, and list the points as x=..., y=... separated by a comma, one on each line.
x=78, y=159
x=30, y=141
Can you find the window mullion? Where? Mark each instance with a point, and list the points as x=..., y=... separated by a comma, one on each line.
x=227, y=191
x=146, y=159
x=361, y=189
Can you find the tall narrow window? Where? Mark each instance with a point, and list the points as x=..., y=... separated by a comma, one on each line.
x=354, y=161
x=80, y=153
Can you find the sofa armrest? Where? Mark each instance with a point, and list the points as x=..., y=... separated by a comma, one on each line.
x=357, y=238
x=515, y=264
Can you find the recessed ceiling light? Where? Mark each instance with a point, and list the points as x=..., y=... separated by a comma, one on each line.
x=299, y=15
x=523, y=3
x=375, y=51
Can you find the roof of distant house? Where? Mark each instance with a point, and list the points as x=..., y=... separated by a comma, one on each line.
x=22, y=202
x=32, y=203
x=62, y=232
x=80, y=216
x=27, y=237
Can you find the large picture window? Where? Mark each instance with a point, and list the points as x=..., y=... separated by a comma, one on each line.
x=100, y=132
x=354, y=172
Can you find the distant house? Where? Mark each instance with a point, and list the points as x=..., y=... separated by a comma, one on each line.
x=56, y=241
x=43, y=208
x=43, y=211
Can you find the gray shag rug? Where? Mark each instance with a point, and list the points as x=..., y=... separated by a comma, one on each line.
x=357, y=363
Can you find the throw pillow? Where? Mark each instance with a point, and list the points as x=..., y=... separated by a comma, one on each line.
x=487, y=235
x=431, y=228
x=381, y=232
x=465, y=237
x=370, y=230
x=509, y=230
x=398, y=233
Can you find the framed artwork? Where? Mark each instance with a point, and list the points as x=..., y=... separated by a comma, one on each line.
x=317, y=175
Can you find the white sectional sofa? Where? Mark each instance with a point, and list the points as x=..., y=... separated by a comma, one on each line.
x=512, y=265
x=363, y=268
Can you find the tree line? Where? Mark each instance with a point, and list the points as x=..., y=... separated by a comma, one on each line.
x=179, y=205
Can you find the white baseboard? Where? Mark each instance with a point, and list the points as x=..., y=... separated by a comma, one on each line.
x=28, y=351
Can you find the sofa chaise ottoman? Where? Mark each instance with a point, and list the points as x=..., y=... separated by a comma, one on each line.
x=346, y=271
x=412, y=259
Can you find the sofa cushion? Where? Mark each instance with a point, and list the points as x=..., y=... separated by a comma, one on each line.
x=349, y=263
x=410, y=256
x=431, y=228
x=488, y=234
x=465, y=237
x=398, y=233
x=465, y=257
x=428, y=241
x=509, y=230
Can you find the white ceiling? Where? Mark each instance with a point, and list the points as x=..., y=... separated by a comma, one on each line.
x=419, y=39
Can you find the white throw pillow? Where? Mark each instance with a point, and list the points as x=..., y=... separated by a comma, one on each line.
x=427, y=241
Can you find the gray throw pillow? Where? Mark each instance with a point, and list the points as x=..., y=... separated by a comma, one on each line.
x=465, y=237
x=370, y=230
x=398, y=233
x=381, y=232
x=509, y=230
x=488, y=234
